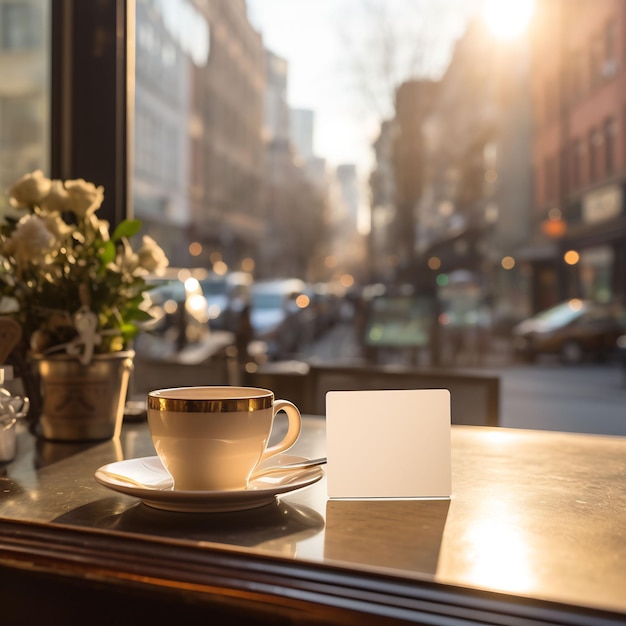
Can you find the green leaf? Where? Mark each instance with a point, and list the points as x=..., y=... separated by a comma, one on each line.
x=142, y=316
x=108, y=253
x=128, y=330
x=126, y=228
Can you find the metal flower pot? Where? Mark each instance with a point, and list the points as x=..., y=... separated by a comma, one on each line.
x=83, y=402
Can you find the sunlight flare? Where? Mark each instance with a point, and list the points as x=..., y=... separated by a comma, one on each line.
x=508, y=19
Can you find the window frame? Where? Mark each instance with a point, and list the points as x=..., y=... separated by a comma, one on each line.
x=92, y=96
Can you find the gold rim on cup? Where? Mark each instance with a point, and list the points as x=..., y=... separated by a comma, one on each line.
x=162, y=400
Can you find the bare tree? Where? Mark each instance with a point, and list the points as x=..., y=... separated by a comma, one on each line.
x=389, y=42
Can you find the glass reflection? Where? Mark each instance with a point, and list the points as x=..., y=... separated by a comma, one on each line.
x=24, y=90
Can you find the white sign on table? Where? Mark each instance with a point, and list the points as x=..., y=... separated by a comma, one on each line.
x=388, y=444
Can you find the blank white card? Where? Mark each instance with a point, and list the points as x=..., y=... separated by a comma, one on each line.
x=388, y=444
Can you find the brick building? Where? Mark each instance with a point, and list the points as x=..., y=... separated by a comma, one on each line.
x=579, y=151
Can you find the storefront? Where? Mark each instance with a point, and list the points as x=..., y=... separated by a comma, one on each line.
x=538, y=263
x=600, y=241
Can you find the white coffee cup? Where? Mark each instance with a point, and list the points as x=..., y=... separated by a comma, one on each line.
x=212, y=438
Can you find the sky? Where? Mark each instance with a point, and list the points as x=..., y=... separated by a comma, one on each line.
x=333, y=48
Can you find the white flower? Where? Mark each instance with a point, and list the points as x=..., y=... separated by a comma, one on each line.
x=98, y=226
x=52, y=262
x=30, y=242
x=126, y=261
x=84, y=197
x=55, y=224
x=151, y=256
x=57, y=200
x=29, y=190
x=103, y=229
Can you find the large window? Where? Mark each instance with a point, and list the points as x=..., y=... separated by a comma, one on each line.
x=21, y=25
x=342, y=143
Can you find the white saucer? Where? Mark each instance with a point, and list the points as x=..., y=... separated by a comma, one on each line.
x=146, y=478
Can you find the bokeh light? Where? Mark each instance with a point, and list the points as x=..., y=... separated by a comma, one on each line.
x=507, y=19
x=508, y=262
x=247, y=264
x=220, y=268
x=434, y=263
x=195, y=248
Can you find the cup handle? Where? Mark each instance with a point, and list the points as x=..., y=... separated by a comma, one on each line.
x=293, y=432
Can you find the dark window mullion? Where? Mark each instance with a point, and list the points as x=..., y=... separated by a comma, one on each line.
x=90, y=103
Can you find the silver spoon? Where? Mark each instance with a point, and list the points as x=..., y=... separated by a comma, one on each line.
x=287, y=467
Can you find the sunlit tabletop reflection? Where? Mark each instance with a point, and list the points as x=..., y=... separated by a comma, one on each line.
x=536, y=514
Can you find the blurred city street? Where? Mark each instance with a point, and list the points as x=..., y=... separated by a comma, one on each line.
x=547, y=395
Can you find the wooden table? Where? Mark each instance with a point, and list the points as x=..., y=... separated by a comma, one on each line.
x=535, y=532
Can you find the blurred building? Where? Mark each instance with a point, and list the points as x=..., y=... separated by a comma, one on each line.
x=222, y=163
x=227, y=147
x=346, y=243
x=301, y=136
x=276, y=113
x=318, y=181
x=348, y=206
x=462, y=176
x=475, y=204
x=301, y=123
x=294, y=193
x=414, y=102
x=517, y=173
x=161, y=168
x=382, y=255
x=198, y=129
x=280, y=168
x=579, y=151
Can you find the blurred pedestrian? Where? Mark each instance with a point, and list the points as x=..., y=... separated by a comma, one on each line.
x=243, y=335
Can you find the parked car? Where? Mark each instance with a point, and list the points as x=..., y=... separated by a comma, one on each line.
x=326, y=300
x=226, y=295
x=179, y=309
x=573, y=330
x=277, y=314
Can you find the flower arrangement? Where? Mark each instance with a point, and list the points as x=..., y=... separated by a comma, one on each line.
x=73, y=286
